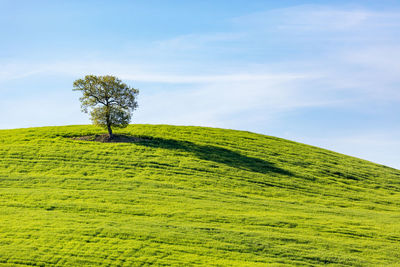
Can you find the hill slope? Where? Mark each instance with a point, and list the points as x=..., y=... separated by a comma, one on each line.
x=189, y=196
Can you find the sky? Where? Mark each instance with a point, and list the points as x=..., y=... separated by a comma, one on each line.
x=324, y=73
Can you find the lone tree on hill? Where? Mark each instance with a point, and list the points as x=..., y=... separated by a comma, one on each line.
x=111, y=102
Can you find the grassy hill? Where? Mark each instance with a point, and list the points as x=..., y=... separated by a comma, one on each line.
x=187, y=196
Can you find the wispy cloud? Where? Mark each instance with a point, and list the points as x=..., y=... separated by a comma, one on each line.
x=377, y=146
x=316, y=18
x=135, y=72
x=196, y=41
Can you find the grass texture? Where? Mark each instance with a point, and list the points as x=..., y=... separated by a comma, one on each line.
x=186, y=196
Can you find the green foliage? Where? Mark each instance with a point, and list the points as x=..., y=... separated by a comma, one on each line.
x=115, y=117
x=111, y=101
x=185, y=196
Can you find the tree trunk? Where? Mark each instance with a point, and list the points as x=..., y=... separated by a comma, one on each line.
x=108, y=120
x=110, y=134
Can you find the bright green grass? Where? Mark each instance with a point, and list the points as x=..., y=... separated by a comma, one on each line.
x=191, y=196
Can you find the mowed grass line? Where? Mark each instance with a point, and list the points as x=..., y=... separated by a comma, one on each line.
x=191, y=196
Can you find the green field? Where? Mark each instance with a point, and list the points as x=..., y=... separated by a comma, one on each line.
x=189, y=196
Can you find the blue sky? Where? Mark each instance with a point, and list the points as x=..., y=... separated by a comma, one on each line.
x=325, y=73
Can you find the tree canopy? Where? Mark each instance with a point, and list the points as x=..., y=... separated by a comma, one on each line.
x=109, y=100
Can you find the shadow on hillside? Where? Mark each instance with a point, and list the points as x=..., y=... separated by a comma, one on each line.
x=212, y=153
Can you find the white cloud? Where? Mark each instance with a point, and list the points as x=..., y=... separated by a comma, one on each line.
x=57, y=108
x=377, y=146
x=20, y=70
x=384, y=58
x=195, y=41
x=318, y=18
x=136, y=73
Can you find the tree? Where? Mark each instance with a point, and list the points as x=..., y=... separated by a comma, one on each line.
x=111, y=102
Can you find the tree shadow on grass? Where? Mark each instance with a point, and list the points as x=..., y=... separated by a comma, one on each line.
x=211, y=153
